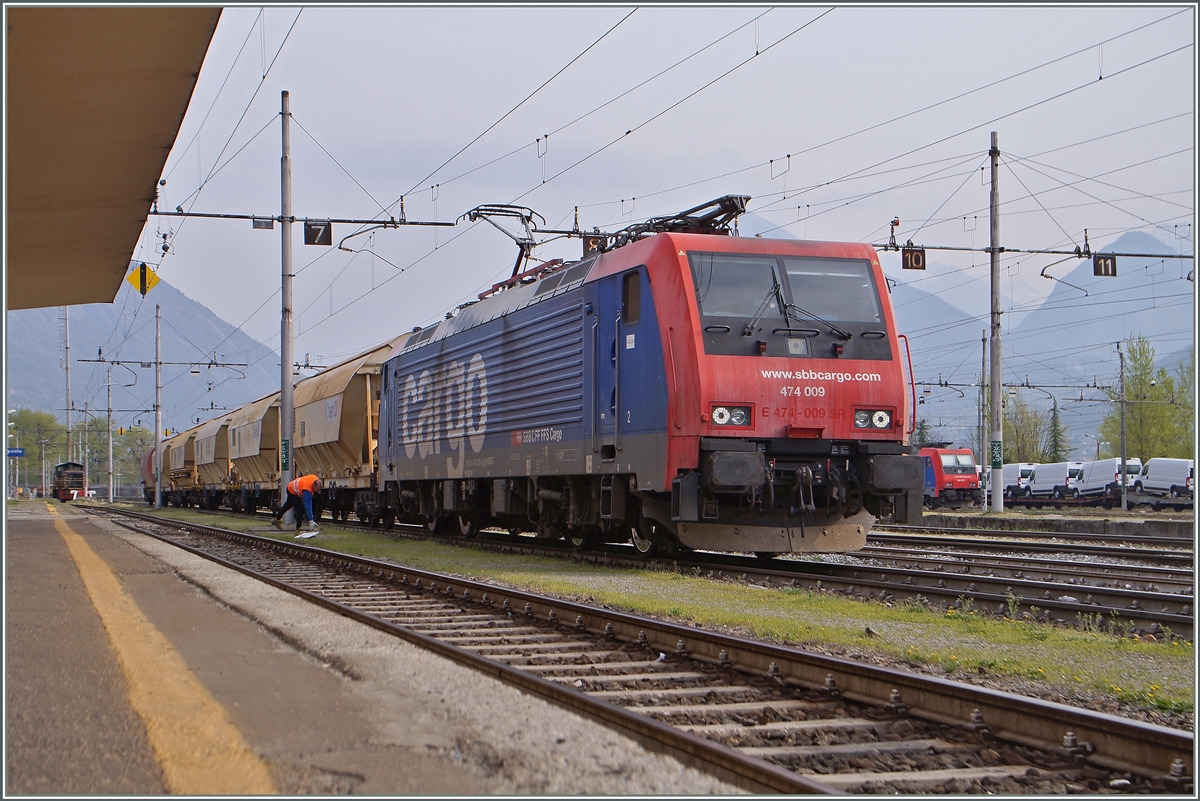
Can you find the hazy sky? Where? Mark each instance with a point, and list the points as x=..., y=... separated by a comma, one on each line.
x=834, y=119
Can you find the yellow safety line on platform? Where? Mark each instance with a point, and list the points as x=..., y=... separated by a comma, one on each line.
x=198, y=748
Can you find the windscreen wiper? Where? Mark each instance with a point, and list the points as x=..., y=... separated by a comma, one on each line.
x=838, y=331
x=773, y=292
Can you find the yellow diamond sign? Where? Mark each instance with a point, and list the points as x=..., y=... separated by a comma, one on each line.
x=142, y=278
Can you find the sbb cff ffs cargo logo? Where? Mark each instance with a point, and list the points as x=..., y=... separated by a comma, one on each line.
x=448, y=406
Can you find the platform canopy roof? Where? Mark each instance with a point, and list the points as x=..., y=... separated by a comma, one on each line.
x=94, y=97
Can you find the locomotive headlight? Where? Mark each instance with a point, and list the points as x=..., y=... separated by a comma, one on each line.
x=872, y=418
x=731, y=416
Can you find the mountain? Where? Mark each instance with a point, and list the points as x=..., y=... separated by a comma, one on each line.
x=1148, y=296
x=124, y=331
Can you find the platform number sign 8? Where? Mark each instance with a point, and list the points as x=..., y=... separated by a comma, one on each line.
x=1104, y=266
x=914, y=258
x=318, y=232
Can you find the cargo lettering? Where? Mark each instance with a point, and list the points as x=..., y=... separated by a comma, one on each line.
x=449, y=406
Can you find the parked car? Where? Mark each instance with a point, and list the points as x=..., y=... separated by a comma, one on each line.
x=1055, y=480
x=1164, y=476
x=1103, y=477
x=1015, y=478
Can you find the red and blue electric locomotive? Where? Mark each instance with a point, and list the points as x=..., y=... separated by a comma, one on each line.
x=679, y=386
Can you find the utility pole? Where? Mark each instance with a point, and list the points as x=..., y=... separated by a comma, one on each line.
x=982, y=407
x=286, y=410
x=997, y=459
x=42, y=443
x=110, y=448
x=67, y=345
x=1124, y=475
x=158, y=438
x=86, y=452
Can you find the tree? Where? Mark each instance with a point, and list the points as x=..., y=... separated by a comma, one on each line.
x=1151, y=418
x=42, y=437
x=923, y=434
x=1025, y=432
x=1185, y=408
x=1056, y=448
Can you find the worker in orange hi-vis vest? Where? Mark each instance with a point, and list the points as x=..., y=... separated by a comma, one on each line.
x=300, y=489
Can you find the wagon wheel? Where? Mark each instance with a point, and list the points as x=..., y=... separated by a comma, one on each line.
x=580, y=540
x=468, y=526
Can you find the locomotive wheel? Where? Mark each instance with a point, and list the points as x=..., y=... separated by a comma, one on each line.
x=467, y=526
x=579, y=540
x=434, y=525
x=646, y=537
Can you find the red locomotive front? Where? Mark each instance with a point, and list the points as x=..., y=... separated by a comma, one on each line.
x=788, y=406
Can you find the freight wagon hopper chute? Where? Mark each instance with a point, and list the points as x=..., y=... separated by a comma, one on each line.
x=337, y=424
x=212, y=460
x=254, y=451
x=181, y=455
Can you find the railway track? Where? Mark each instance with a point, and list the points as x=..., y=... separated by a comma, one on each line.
x=891, y=534
x=765, y=717
x=1051, y=591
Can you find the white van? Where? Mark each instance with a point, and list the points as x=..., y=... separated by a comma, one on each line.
x=1103, y=477
x=1056, y=480
x=1015, y=478
x=1162, y=476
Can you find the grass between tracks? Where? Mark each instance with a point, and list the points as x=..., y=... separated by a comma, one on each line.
x=1073, y=661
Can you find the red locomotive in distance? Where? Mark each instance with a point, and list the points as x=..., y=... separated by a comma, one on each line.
x=951, y=478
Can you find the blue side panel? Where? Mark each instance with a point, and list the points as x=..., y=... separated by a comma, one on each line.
x=529, y=393
x=512, y=382
x=931, y=487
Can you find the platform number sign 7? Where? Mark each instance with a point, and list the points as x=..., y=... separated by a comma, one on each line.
x=318, y=232
x=1104, y=266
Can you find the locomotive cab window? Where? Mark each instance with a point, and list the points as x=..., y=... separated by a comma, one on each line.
x=735, y=286
x=789, y=306
x=631, y=297
x=836, y=289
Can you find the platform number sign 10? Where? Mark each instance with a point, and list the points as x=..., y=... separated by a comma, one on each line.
x=318, y=232
x=914, y=258
x=1104, y=266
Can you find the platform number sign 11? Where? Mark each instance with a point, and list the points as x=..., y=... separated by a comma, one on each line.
x=318, y=232
x=1104, y=266
x=914, y=258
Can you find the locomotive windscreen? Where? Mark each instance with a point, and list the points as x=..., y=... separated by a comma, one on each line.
x=788, y=306
x=836, y=289
x=735, y=286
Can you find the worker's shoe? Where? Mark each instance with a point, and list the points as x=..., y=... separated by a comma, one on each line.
x=277, y=523
x=310, y=526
